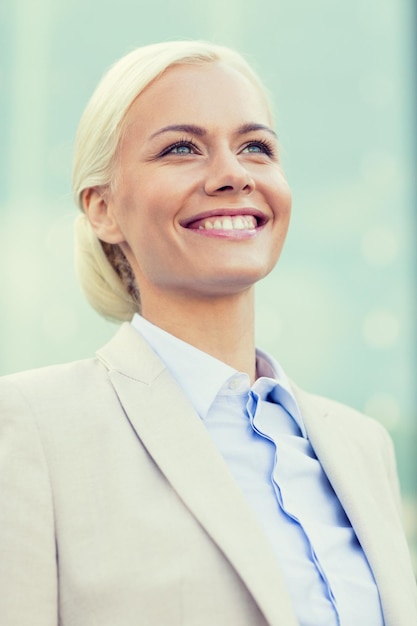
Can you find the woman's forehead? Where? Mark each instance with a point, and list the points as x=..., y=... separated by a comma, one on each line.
x=207, y=91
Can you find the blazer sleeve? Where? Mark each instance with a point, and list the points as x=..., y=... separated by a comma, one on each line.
x=28, y=564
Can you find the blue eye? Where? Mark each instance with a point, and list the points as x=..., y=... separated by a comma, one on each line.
x=254, y=147
x=259, y=147
x=181, y=148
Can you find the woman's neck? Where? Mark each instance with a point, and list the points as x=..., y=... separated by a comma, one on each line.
x=223, y=327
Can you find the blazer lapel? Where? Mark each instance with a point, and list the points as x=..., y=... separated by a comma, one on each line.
x=178, y=442
x=356, y=475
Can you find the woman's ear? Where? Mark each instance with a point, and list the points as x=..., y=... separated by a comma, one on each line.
x=101, y=216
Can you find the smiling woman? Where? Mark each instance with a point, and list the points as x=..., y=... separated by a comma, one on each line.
x=202, y=82
x=190, y=169
x=179, y=477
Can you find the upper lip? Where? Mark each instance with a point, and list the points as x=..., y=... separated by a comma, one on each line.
x=261, y=218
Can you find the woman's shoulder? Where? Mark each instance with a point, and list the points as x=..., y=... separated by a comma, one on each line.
x=349, y=423
x=53, y=388
x=48, y=376
x=330, y=407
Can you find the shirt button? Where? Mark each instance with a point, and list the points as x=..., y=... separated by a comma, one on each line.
x=234, y=384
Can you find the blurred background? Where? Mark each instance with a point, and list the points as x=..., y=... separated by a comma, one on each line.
x=339, y=311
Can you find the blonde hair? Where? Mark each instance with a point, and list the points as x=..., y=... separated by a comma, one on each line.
x=104, y=272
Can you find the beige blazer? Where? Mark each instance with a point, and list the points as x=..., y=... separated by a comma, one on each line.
x=117, y=510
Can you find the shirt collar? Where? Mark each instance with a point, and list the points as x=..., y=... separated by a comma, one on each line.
x=202, y=376
x=198, y=374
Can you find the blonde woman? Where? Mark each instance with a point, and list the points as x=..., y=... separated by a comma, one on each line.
x=178, y=477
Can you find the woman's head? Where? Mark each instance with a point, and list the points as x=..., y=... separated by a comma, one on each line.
x=104, y=271
x=101, y=125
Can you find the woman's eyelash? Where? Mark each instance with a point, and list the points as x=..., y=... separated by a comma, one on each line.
x=187, y=143
x=263, y=145
x=266, y=146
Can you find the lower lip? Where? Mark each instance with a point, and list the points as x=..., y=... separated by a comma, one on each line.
x=226, y=234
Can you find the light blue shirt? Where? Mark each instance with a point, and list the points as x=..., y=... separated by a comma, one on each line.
x=260, y=433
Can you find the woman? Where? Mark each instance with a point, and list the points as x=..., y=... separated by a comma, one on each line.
x=179, y=478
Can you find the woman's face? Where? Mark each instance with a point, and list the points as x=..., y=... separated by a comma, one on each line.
x=200, y=200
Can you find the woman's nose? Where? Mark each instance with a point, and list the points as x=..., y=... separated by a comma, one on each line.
x=227, y=175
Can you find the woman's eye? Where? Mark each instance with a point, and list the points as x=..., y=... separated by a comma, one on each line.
x=181, y=148
x=258, y=147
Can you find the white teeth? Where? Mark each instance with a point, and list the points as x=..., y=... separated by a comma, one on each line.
x=239, y=222
x=250, y=222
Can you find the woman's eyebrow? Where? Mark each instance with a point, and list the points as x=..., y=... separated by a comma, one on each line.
x=183, y=128
x=253, y=126
x=199, y=131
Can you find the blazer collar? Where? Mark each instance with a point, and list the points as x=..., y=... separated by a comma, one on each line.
x=178, y=442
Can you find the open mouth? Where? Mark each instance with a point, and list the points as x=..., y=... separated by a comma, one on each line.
x=225, y=222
